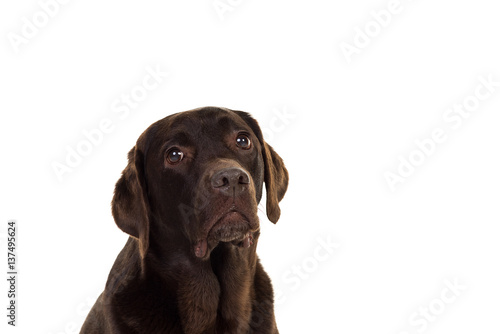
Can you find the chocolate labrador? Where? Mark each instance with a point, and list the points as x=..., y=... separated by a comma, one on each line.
x=188, y=199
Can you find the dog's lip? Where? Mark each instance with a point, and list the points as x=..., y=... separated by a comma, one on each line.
x=201, y=246
x=229, y=214
x=233, y=210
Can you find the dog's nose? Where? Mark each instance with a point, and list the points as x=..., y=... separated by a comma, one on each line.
x=231, y=181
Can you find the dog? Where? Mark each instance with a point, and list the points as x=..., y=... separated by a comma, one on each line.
x=188, y=200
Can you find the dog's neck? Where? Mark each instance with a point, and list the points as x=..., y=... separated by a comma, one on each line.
x=211, y=290
x=210, y=295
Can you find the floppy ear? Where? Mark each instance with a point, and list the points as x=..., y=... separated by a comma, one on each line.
x=275, y=172
x=130, y=206
x=276, y=179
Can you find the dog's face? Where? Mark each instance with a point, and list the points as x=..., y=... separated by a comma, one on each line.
x=197, y=177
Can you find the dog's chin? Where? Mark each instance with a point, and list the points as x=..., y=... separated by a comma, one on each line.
x=232, y=227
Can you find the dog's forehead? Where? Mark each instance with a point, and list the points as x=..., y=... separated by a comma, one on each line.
x=209, y=123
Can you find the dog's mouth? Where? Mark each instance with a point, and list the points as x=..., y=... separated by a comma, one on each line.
x=233, y=226
x=229, y=227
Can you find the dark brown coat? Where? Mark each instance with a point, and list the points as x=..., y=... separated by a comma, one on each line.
x=188, y=199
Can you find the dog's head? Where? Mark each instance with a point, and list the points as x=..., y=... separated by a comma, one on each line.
x=196, y=178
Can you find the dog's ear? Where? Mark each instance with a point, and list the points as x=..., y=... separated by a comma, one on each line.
x=130, y=206
x=276, y=179
x=275, y=172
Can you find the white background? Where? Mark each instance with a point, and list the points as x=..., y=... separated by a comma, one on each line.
x=348, y=124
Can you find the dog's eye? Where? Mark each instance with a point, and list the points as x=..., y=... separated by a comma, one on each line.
x=242, y=141
x=174, y=156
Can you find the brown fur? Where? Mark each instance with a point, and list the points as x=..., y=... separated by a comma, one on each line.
x=190, y=264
